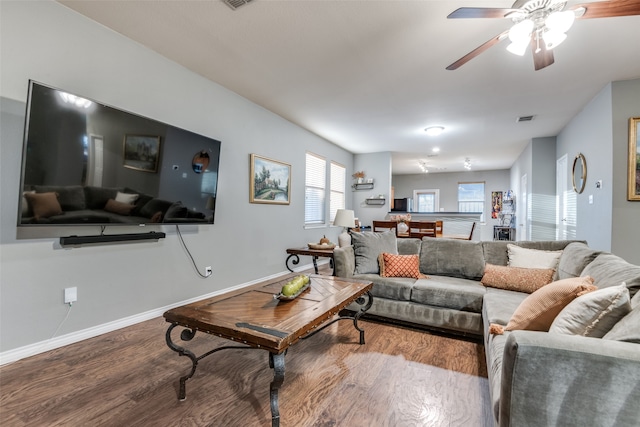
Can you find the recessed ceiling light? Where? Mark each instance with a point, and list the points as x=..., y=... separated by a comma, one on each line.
x=436, y=150
x=434, y=130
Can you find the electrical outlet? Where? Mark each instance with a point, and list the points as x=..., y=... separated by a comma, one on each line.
x=70, y=295
x=207, y=271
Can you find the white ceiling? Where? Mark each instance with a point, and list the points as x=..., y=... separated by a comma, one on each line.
x=369, y=75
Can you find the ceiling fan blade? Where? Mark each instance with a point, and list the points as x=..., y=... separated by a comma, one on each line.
x=606, y=9
x=479, y=12
x=542, y=57
x=477, y=51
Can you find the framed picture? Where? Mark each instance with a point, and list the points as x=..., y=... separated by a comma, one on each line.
x=633, y=182
x=141, y=152
x=496, y=204
x=270, y=181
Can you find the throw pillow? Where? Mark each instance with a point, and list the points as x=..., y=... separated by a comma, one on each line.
x=575, y=257
x=537, y=311
x=627, y=329
x=127, y=198
x=24, y=205
x=367, y=246
x=176, y=210
x=118, y=207
x=43, y=205
x=516, y=278
x=532, y=258
x=593, y=314
x=392, y=265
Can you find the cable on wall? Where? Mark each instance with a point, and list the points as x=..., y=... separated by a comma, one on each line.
x=193, y=261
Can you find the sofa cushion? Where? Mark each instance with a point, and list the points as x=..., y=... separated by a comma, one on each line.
x=71, y=197
x=97, y=197
x=516, y=279
x=532, y=258
x=154, y=206
x=498, y=305
x=628, y=328
x=128, y=198
x=575, y=257
x=367, y=246
x=43, y=205
x=449, y=257
x=495, y=252
x=538, y=310
x=593, y=314
x=495, y=351
x=611, y=270
x=395, y=288
x=176, y=210
x=409, y=246
x=399, y=265
x=449, y=292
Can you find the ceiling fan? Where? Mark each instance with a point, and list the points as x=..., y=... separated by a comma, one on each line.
x=541, y=24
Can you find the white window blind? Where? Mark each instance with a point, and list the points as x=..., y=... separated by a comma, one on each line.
x=338, y=186
x=427, y=200
x=314, y=191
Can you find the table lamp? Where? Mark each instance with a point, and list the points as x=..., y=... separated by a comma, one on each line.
x=344, y=218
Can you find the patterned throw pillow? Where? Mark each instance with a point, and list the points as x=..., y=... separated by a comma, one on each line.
x=392, y=265
x=518, y=279
x=537, y=311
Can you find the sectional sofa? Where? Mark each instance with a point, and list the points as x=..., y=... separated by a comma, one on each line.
x=574, y=372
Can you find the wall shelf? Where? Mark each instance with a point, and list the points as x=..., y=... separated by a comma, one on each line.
x=375, y=201
x=363, y=186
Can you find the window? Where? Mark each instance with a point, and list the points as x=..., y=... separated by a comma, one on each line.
x=338, y=185
x=471, y=197
x=314, y=190
x=426, y=200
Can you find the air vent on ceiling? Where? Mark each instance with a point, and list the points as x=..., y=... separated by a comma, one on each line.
x=234, y=4
x=525, y=118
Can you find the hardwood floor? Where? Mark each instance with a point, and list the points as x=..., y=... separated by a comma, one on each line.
x=400, y=377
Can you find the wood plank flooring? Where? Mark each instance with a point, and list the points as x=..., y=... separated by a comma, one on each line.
x=400, y=377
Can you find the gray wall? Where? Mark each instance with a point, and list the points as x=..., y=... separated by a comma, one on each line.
x=543, y=189
x=47, y=42
x=447, y=183
x=378, y=167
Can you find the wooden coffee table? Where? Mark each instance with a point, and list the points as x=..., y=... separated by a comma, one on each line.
x=255, y=319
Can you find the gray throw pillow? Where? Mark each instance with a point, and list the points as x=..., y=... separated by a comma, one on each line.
x=627, y=329
x=611, y=270
x=367, y=246
x=575, y=257
x=593, y=314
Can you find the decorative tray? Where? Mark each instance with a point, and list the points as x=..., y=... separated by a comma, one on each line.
x=318, y=246
x=294, y=296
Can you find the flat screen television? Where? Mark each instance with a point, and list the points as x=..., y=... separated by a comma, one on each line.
x=86, y=163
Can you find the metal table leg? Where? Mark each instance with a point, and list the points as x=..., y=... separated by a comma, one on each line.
x=276, y=361
x=295, y=261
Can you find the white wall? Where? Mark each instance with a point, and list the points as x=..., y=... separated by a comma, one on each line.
x=378, y=167
x=44, y=41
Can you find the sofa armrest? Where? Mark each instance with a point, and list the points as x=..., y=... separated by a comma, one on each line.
x=344, y=261
x=559, y=380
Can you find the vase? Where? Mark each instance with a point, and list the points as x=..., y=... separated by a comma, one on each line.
x=403, y=228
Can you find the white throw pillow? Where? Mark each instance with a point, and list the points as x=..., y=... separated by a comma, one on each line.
x=593, y=314
x=532, y=258
x=127, y=198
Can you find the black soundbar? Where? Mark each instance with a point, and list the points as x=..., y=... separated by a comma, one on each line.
x=110, y=238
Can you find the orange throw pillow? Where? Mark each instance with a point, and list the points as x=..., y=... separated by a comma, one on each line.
x=399, y=266
x=537, y=311
x=43, y=205
x=516, y=278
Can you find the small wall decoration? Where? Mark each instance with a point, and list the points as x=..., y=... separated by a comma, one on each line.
x=496, y=204
x=141, y=152
x=633, y=181
x=270, y=181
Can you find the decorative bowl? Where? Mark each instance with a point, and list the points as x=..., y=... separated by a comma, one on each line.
x=319, y=246
x=294, y=296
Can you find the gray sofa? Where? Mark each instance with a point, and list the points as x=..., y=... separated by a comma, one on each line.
x=535, y=378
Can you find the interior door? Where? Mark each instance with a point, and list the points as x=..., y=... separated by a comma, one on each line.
x=562, y=188
x=523, y=224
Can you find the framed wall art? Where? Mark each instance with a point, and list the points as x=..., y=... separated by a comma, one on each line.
x=270, y=181
x=141, y=152
x=633, y=181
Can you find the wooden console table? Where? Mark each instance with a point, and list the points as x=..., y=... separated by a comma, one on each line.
x=314, y=253
x=256, y=320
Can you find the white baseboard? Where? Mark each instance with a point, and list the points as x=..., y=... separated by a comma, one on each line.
x=16, y=354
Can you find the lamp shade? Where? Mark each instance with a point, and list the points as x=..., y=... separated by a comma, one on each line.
x=345, y=218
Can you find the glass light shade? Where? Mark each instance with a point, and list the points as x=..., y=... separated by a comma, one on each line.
x=521, y=31
x=434, y=130
x=518, y=48
x=560, y=21
x=553, y=38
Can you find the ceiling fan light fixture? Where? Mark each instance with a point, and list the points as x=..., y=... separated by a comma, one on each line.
x=553, y=38
x=518, y=48
x=560, y=21
x=521, y=31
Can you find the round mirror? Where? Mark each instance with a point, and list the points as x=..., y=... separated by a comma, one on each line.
x=200, y=161
x=579, y=173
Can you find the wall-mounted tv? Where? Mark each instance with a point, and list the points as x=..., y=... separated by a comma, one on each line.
x=86, y=163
